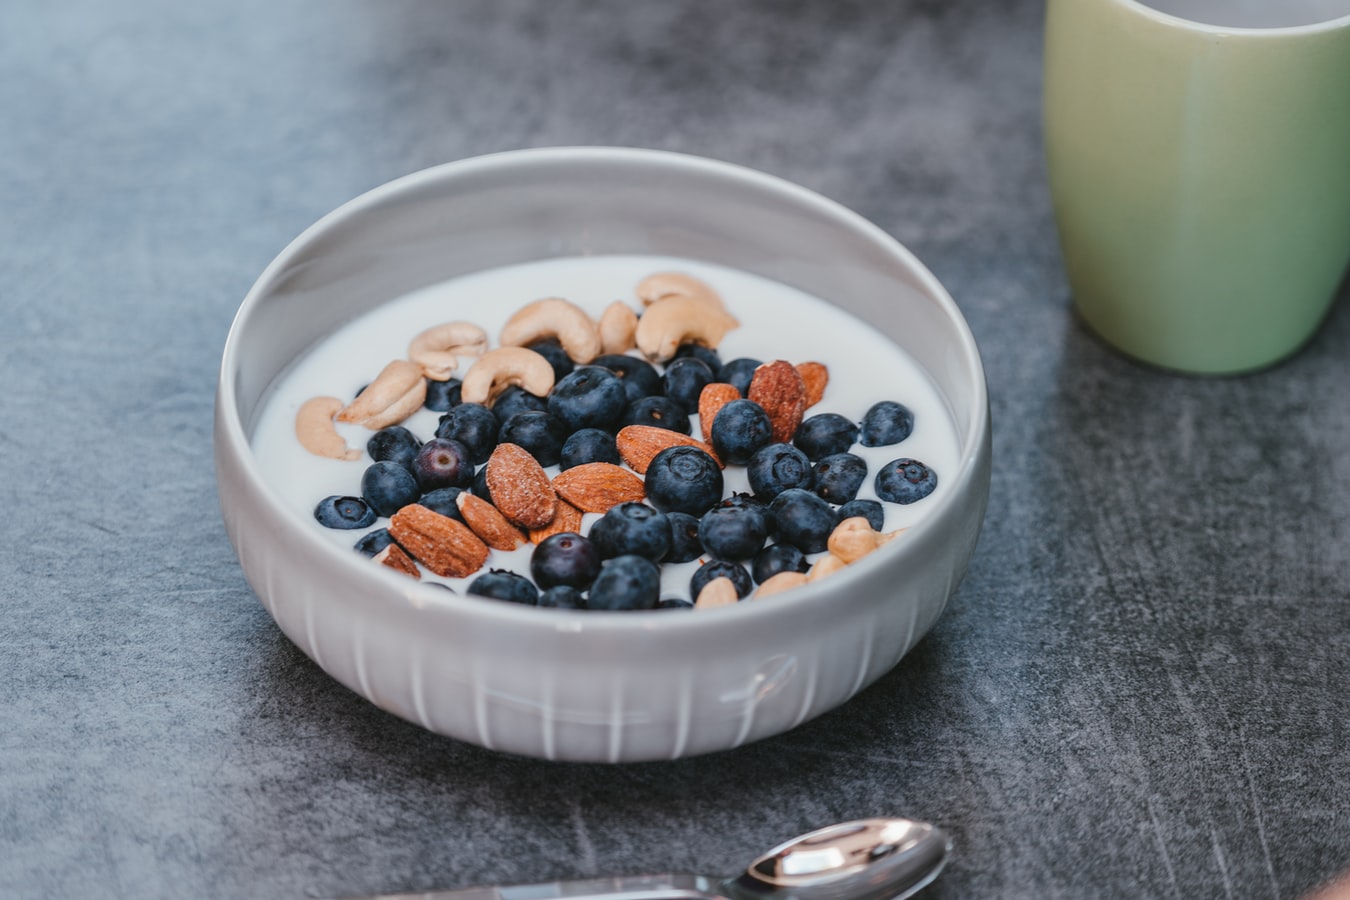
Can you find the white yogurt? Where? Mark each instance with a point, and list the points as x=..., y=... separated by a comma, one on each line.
x=777, y=322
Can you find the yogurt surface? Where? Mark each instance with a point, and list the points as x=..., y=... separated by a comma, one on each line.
x=776, y=322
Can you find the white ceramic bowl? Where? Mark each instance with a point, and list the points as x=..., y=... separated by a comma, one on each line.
x=594, y=686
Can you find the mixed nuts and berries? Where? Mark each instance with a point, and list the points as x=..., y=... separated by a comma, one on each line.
x=609, y=403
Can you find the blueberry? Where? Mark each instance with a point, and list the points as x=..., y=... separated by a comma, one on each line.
x=474, y=426
x=373, y=542
x=499, y=584
x=870, y=510
x=684, y=543
x=515, y=399
x=442, y=500
x=659, y=412
x=733, y=532
x=777, y=558
x=905, y=481
x=479, y=486
x=886, y=423
x=396, y=444
x=825, y=434
x=721, y=568
x=802, y=519
x=587, y=446
x=560, y=596
x=632, y=529
x=344, y=512
x=684, y=379
x=777, y=468
x=838, y=477
x=683, y=479
x=388, y=487
x=565, y=558
x=591, y=397
x=443, y=462
x=742, y=499
x=626, y=582
x=674, y=603
x=708, y=355
x=443, y=396
x=739, y=429
x=538, y=433
x=557, y=357
x=738, y=373
x=640, y=378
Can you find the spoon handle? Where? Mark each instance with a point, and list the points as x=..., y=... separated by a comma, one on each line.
x=636, y=887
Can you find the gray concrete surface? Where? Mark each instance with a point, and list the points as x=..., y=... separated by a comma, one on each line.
x=1140, y=689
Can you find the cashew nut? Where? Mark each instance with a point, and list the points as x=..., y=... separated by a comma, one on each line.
x=826, y=565
x=680, y=320
x=498, y=369
x=396, y=393
x=617, y=324
x=718, y=592
x=776, y=584
x=554, y=317
x=316, y=432
x=666, y=285
x=437, y=350
x=853, y=538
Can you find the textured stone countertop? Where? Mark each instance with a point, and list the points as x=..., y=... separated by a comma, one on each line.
x=1140, y=688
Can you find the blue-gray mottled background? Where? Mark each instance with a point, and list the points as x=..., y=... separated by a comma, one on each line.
x=1140, y=689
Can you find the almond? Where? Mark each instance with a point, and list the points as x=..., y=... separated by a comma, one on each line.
x=617, y=325
x=568, y=518
x=395, y=558
x=776, y=584
x=826, y=565
x=888, y=536
x=488, y=522
x=779, y=388
x=639, y=444
x=711, y=399
x=718, y=592
x=815, y=376
x=520, y=487
x=599, y=486
x=440, y=543
x=853, y=538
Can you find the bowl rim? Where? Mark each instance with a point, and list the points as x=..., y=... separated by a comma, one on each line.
x=230, y=437
x=1254, y=32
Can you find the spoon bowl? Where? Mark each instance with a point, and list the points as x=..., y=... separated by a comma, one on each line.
x=867, y=859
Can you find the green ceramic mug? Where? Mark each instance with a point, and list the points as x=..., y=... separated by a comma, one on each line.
x=1199, y=161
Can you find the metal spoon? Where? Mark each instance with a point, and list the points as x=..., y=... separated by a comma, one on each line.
x=868, y=859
